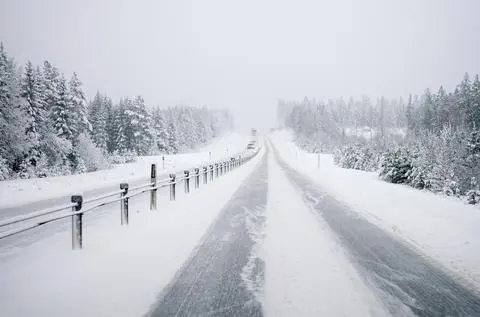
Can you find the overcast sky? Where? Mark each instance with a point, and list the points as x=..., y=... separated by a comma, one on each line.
x=245, y=55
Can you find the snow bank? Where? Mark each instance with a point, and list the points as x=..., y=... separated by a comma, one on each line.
x=121, y=270
x=22, y=192
x=443, y=228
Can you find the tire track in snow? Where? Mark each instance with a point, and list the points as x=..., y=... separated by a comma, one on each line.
x=225, y=273
x=405, y=281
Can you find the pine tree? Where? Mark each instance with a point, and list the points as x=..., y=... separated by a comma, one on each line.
x=110, y=125
x=78, y=105
x=51, y=79
x=36, y=115
x=444, y=116
x=61, y=112
x=138, y=126
x=411, y=121
x=13, y=145
x=172, y=135
x=119, y=127
x=428, y=114
x=97, y=117
x=475, y=102
x=464, y=94
x=160, y=131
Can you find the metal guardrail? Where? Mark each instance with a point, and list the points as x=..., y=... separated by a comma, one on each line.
x=77, y=202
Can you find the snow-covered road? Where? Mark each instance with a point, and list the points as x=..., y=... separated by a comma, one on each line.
x=405, y=282
x=224, y=274
x=309, y=255
x=263, y=240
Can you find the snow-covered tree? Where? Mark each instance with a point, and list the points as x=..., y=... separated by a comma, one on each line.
x=463, y=95
x=172, y=141
x=61, y=112
x=138, y=131
x=78, y=108
x=119, y=124
x=36, y=117
x=13, y=142
x=160, y=131
x=475, y=102
x=97, y=117
x=51, y=78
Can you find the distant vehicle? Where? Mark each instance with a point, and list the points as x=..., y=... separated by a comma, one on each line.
x=253, y=140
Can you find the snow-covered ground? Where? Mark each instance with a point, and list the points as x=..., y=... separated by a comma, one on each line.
x=22, y=192
x=443, y=228
x=307, y=272
x=121, y=270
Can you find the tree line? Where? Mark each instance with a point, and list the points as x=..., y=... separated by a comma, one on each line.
x=48, y=128
x=429, y=142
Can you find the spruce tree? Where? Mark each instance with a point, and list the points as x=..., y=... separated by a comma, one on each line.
x=35, y=114
x=463, y=95
x=13, y=145
x=61, y=112
x=97, y=117
x=119, y=126
x=475, y=102
x=51, y=79
x=428, y=114
x=160, y=130
x=78, y=108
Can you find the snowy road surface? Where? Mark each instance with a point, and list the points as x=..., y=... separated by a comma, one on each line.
x=406, y=282
x=263, y=240
x=318, y=258
x=224, y=273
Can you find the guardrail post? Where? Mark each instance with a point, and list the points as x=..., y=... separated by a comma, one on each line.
x=77, y=222
x=318, y=161
x=197, y=177
x=187, y=181
x=224, y=167
x=153, y=192
x=205, y=174
x=216, y=170
x=211, y=172
x=172, y=186
x=124, y=204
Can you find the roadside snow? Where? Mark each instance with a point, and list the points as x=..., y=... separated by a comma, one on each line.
x=121, y=270
x=443, y=228
x=307, y=272
x=22, y=192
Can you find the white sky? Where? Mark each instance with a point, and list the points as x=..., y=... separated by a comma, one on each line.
x=246, y=54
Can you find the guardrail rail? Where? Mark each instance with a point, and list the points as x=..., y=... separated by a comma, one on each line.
x=208, y=172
